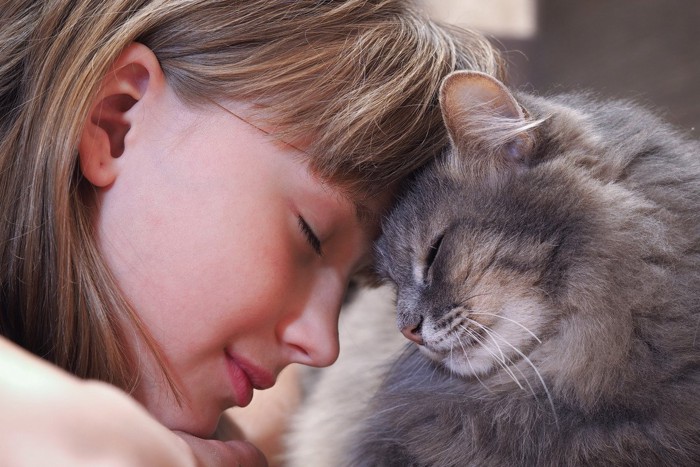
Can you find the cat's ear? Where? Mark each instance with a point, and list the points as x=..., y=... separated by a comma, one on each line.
x=484, y=120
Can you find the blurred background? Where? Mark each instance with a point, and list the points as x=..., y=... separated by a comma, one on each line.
x=647, y=50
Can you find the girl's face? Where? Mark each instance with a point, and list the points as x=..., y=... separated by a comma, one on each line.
x=232, y=253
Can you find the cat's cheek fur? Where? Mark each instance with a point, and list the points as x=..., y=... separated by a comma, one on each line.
x=510, y=338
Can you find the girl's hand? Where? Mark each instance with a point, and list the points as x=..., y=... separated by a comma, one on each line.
x=224, y=453
x=48, y=417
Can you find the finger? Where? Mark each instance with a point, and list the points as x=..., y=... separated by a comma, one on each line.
x=227, y=429
x=214, y=453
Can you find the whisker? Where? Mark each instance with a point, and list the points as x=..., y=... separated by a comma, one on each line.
x=503, y=361
x=470, y=363
x=510, y=320
x=475, y=336
x=532, y=365
x=510, y=361
x=500, y=361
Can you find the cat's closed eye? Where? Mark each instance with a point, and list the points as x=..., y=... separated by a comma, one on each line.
x=432, y=253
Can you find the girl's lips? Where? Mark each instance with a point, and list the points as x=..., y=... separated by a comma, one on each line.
x=245, y=377
x=242, y=387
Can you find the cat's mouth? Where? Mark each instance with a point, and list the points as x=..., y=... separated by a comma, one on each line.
x=472, y=348
x=471, y=335
x=458, y=340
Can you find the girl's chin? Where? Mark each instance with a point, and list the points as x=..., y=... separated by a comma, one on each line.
x=199, y=422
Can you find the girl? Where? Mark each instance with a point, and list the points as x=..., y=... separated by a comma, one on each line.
x=187, y=187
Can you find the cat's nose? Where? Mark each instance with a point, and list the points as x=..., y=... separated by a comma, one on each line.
x=413, y=332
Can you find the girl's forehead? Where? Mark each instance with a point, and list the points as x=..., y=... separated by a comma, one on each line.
x=368, y=209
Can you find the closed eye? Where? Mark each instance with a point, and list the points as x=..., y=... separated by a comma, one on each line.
x=311, y=237
x=432, y=252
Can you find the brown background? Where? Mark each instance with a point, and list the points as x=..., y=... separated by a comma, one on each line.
x=647, y=50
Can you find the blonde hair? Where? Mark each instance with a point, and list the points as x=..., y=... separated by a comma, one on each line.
x=360, y=76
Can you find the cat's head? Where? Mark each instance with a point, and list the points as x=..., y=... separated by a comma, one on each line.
x=494, y=247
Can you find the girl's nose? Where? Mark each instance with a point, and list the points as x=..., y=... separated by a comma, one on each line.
x=312, y=333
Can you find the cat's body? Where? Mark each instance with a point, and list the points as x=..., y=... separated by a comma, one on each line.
x=552, y=277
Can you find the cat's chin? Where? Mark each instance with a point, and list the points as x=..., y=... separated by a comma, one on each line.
x=461, y=364
x=469, y=368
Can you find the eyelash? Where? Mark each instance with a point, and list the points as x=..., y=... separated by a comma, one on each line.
x=310, y=236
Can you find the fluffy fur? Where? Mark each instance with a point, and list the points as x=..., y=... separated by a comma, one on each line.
x=553, y=275
x=337, y=398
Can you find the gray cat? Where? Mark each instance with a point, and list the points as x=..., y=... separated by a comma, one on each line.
x=549, y=270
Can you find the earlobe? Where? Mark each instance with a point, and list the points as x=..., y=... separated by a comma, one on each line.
x=134, y=74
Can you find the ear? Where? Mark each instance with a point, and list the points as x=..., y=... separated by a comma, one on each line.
x=134, y=73
x=483, y=119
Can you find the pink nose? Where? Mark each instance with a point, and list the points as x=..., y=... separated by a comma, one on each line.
x=412, y=333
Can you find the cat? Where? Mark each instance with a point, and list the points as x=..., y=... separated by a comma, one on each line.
x=547, y=269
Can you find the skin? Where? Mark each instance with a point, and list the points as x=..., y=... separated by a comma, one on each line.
x=49, y=417
x=267, y=419
x=232, y=252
